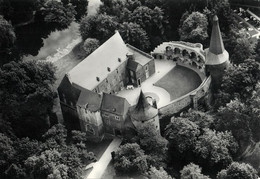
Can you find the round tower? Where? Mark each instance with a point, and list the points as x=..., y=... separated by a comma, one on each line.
x=217, y=58
x=144, y=113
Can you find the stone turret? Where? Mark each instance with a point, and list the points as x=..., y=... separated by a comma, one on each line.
x=217, y=58
x=144, y=113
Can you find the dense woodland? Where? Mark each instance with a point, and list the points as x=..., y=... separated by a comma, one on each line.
x=195, y=144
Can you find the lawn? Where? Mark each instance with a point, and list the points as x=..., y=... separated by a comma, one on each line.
x=179, y=81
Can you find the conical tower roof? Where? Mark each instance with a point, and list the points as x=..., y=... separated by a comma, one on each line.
x=143, y=111
x=216, y=43
x=216, y=53
x=142, y=102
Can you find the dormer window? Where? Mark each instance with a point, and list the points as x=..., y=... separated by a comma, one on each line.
x=98, y=79
x=119, y=59
x=108, y=69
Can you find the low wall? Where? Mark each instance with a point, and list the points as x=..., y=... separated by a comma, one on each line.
x=180, y=103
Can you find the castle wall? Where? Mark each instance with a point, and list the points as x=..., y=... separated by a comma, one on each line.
x=68, y=96
x=91, y=122
x=189, y=99
x=217, y=72
x=114, y=81
x=154, y=121
x=112, y=122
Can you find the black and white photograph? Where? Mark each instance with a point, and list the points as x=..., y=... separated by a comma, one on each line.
x=129, y=89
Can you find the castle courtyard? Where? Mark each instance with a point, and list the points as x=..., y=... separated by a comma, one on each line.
x=158, y=87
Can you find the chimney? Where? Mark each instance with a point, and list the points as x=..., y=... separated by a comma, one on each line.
x=130, y=56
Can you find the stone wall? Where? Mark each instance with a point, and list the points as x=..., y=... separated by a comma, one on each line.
x=189, y=99
x=115, y=80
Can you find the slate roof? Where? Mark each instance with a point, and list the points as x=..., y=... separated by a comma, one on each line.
x=133, y=65
x=114, y=104
x=91, y=101
x=139, y=56
x=143, y=111
x=216, y=54
x=95, y=65
x=216, y=42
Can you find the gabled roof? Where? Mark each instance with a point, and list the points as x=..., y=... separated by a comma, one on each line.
x=96, y=64
x=114, y=104
x=139, y=56
x=216, y=43
x=133, y=65
x=143, y=111
x=89, y=100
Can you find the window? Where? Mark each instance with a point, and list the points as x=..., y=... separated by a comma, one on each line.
x=108, y=69
x=106, y=80
x=116, y=70
x=98, y=79
x=119, y=59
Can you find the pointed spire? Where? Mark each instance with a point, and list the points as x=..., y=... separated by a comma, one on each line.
x=216, y=43
x=142, y=102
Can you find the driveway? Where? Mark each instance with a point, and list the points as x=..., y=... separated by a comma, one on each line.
x=101, y=165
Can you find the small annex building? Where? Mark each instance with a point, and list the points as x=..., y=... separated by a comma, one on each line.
x=88, y=92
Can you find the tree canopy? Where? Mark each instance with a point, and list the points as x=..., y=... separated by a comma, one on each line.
x=192, y=171
x=194, y=27
x=238, y=170
x=27, y=96
x=130, y=158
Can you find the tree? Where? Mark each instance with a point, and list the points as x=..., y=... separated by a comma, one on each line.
x=100, y=26
x=133, y=34
x=81, y=7
x=239, y=81
x=238, y=170
x=7, y=35
x=47, y=165
x=87, y=26
x=90, y=45
x=192, y=171
x=58, y=133
x=150, y=140
x=7, y=40
x=202, y=119
x=130, y=158
x=215, y=148
x=7, y=153
x=242, y=50
x=151, y=20
x=182, y=134
x=154, y=145
x=154, y=173
x=27, y=96
x=58, y=14
x=234, y=117
x=194, y=28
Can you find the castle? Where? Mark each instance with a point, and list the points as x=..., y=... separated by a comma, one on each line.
x=90, y=93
